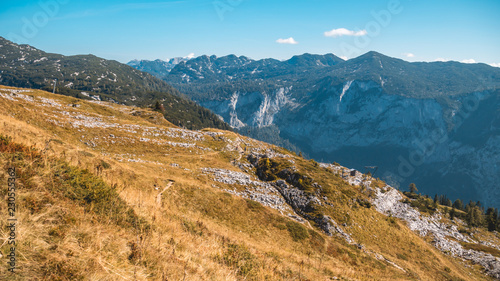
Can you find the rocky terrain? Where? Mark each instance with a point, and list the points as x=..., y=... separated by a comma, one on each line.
x=445, y=235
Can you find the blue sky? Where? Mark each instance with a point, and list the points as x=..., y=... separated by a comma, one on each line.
x=414, y=30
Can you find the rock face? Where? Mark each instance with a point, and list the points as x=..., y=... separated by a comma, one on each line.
x=389, y=203
x=300, y=201
x=297, y=198
x=409, y=139
x=252, y=109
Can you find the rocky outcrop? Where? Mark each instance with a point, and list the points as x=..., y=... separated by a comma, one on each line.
x=297, y=198
x=388, y=202
x=256, y=190
x=302, y=202
x=330, y=227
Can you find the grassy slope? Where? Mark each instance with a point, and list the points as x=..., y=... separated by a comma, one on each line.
x=198, y=232
x=25, y=66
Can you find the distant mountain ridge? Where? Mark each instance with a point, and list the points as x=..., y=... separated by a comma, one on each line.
x=394, y=75
x=369, y=110
x=158, y=68
x=87, y=76
x=231, y=67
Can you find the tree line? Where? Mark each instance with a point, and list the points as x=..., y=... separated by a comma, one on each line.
x=473, y=213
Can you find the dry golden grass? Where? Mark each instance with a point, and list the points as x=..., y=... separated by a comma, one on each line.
x=198, y=232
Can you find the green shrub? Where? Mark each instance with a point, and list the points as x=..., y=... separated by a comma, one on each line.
x=240, y=258
x=197, y=228
x=105, y=165
x=317, y=241
x=402, y=257
x=364, y=203
x=253, y=205
x=297, y=231
x=85, y=153
x=96, y=196
x=424, y=205
x=280, y=226
x=56, y=141
x=271, y=169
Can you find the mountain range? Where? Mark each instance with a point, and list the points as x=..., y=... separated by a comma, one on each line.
x=436, y=124
x=158, y=68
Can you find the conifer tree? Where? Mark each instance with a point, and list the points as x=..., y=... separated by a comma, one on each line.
x=458, y=204
x=413, y=188
x=491, y=219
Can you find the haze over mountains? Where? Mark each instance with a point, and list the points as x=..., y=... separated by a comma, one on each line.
x=436, y=124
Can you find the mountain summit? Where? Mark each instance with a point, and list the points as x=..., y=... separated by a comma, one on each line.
x=158, y=68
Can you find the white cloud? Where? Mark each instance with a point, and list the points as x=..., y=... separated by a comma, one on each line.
x=190, y=56
x=409, y=55
x=287, y=41
x=495, y=64
x=468, y=61
x=344, y=32
x=441, y=60
x=344, y=57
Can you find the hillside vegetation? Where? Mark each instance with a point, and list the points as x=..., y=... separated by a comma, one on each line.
x=111, y=192
x=91, y=77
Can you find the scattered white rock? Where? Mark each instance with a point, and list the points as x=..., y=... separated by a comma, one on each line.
x=389, y=203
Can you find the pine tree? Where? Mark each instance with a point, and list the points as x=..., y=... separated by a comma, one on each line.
x=157, y=106
x=498, y=220
x=413, y=188
x=448, y=202
x=452, y=213
x=458, y=204
x=491, y=219
x=474, y=215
